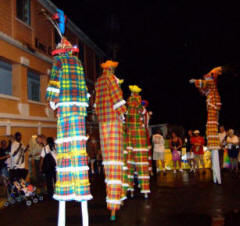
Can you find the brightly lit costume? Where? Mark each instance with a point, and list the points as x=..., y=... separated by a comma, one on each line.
x=146, y=119
x=110, y=108
x=137, y=145
x=208, y=87
x=67, y=92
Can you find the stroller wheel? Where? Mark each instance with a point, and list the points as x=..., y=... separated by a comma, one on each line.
x=40, y=198
x=35, y=200
x=28, y=202
x=6, y=204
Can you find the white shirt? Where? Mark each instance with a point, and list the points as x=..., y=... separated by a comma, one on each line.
x=18, y=160
x=46, y=149
x=158, y=142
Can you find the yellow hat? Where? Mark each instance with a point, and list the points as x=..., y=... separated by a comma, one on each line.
x=135, y=89
x=109, y=64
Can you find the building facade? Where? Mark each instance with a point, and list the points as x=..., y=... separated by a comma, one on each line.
x=26, y=42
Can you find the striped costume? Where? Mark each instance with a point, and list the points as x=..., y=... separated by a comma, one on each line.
x=110, y=107
x=137, y=145
x=209, y=88
x=146, y=118
x=67, y=89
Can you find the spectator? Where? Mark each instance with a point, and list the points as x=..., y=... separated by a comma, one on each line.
x=189, y=150
x=35, y=151
x=222, y=137
x=197, y=142
x=17, y=165
x=92, y=152
x=175, y=144
x=158, y=149
x=233, y=149
x=4, y=155
x=48, y=163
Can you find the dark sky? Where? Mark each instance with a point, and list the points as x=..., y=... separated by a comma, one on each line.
x=162, y=45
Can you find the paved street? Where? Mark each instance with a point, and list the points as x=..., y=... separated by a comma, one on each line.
x=176, y=200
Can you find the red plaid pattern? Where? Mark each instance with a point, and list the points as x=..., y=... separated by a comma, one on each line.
x=111, y=139
x=108, y=95
x=209, y=88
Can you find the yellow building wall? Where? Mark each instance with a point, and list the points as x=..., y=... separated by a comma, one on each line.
x=49, y=132
x=8, y=106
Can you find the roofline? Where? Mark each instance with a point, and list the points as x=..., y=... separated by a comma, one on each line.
x=52, y=8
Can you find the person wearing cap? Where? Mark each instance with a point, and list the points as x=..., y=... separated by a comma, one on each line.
x=208, y=87
x=137, y=143
x=110, y=109
x=197, y=143
x=232, y=144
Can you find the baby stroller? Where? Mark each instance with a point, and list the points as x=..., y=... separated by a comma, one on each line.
x=19, y=191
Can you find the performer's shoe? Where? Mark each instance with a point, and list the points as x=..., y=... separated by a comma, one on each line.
x=113, y=215
x=113, y=218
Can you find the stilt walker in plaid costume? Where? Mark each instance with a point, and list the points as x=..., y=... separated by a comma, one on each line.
x=137, y=143
x=67, y=92
x=208, y=87
x=110, y=109
x=146, y=118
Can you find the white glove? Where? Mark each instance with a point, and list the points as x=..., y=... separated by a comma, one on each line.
x=191, y=81
x=52, y=105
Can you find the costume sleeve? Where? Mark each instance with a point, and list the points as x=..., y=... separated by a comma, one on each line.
x=83, y=85
x=201, y=84
x=116, y=95
x=53, y=89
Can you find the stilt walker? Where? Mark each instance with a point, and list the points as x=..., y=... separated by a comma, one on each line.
x=137, y=143
x=67, y=92
x=110, y=109
x=146, y=119
x=208, y=87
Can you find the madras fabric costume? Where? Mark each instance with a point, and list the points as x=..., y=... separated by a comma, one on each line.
x=125, y=158
x=208, y=87
x=110, y=107
x=146, y=118
x=67, y=90
x=137, y=145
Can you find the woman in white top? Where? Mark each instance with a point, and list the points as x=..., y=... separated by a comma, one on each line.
x=233, y=149
x=158, y=149
x=48, y=164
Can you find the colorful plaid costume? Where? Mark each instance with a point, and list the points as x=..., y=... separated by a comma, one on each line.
x=125, y=156
x=137, y=145
x=208, y=87
x=67, y=89
x=109, y=107
x=146, y=118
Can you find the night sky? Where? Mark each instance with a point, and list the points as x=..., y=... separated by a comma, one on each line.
x=161, y=45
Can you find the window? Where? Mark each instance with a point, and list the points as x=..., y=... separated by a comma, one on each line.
x=23, y=11
x=33, y=86
x=5, y=78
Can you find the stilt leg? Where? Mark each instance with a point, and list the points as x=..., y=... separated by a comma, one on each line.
x=216, y=167
x=62, y=213
x=84, y=213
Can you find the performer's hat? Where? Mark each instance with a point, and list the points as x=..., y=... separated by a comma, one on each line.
x=109, y=64
x=135, y=89
x=65, y=46
x=214, y=73
x=120, y=81
x=196, y=132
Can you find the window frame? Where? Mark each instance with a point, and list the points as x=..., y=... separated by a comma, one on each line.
x=21, y=17
x=30, y=79
x=10, y=94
